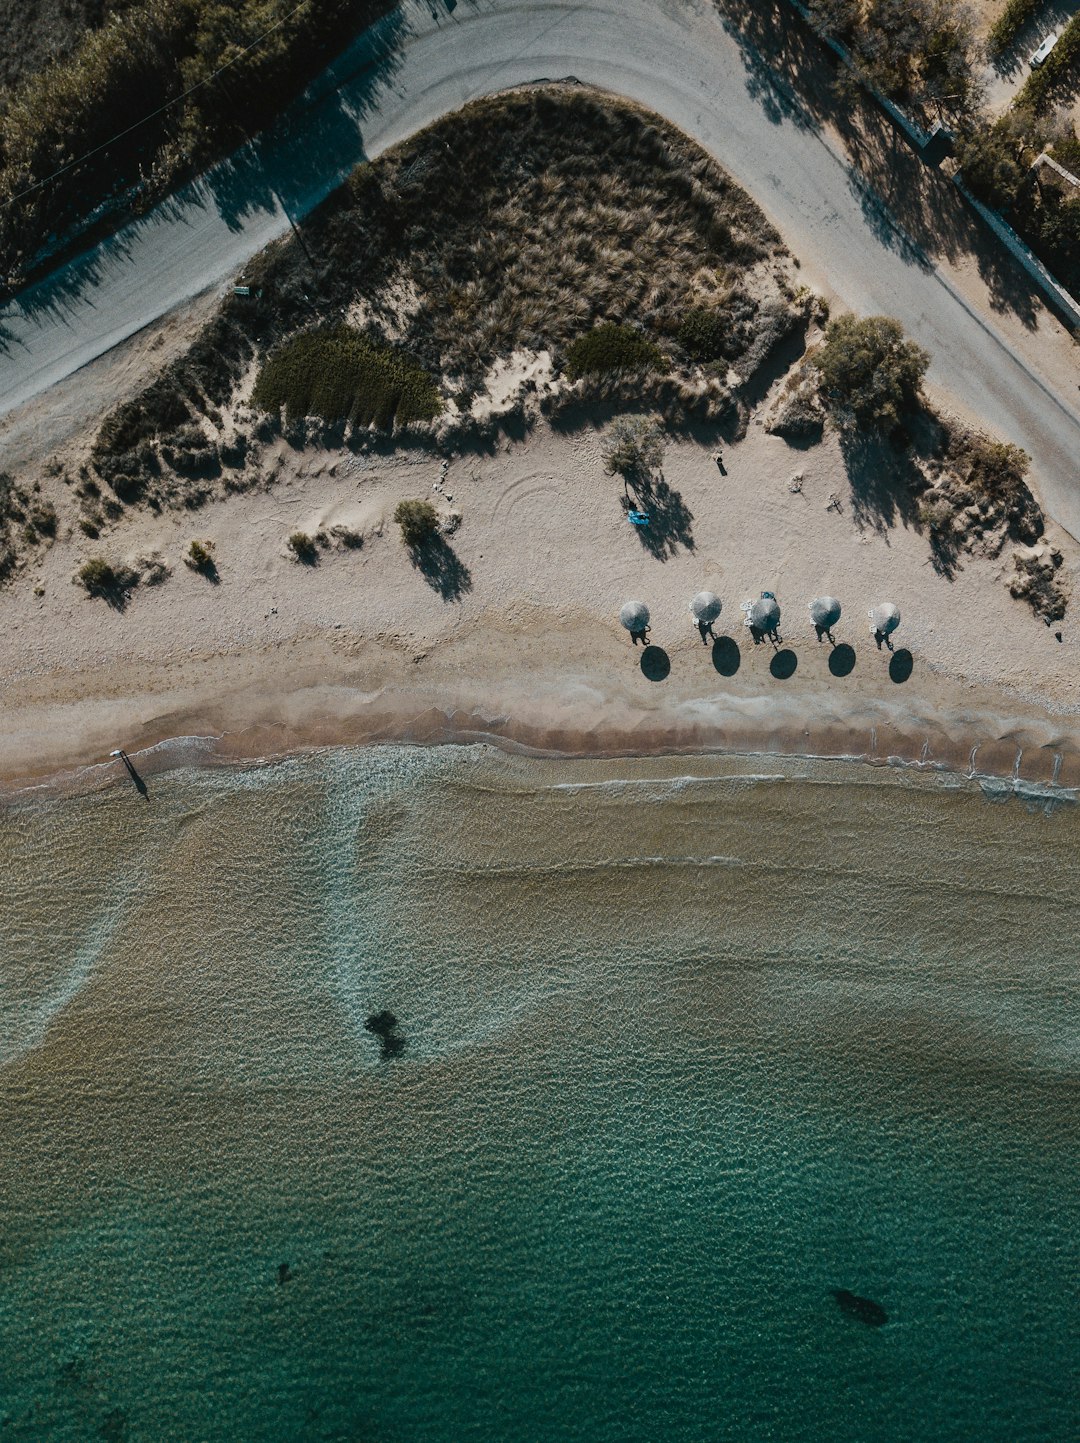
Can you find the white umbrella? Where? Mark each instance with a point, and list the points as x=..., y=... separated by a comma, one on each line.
x=884, y=618
x=764, y=614
x=705, y=607
x=825, y=611
x=634, y=615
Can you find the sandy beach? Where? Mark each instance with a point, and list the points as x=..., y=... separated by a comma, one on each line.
x=361, y=646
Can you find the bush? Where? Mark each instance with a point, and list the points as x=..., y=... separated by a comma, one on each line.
x=703, y=333
x=340, y=375
x=869, y=373
x=101, y=578
x=303, y=547
x=633, y=446
x=1009, y=24
x=419, y=521
x=990, y=158
x=200, y=558
x=608, y=348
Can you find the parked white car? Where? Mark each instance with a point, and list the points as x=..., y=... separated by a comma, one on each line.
x=1044, y=50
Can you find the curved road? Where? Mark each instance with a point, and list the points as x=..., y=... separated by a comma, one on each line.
x=672, y=55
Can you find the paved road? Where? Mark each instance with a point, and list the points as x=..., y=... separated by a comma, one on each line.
x=672, y=55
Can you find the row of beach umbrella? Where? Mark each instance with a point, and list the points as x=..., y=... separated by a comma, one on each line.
x=763, y=615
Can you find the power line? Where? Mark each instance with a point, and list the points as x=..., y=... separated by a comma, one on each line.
x=199, y=84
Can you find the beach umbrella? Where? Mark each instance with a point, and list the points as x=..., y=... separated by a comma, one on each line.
x=705, y=607
x=634, y=615
x=764, y=614
x=885, y=618
x=825, y=611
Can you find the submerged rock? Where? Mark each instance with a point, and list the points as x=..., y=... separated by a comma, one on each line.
x=384, y=1026
x=865, y=1309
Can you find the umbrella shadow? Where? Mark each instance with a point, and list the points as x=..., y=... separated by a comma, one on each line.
x=726, y=656
x=655, y=664
x=842, y=660
x=784, y=664
x=901, y=665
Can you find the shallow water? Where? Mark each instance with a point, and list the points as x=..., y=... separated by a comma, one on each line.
x=689, y=1044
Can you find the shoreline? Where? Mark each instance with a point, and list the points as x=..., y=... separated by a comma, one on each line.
x=1029, y=753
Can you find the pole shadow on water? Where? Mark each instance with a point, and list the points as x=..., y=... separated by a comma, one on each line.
x=784, y=664
x=901, y=665
x=655, y=663
x=726, y=657
x=140, y=785
x=842, y=659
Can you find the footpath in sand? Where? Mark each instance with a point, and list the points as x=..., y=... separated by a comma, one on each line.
x=517, y=638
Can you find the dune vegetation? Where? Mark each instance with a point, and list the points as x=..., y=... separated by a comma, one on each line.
x=180, y=82
x=545, y=220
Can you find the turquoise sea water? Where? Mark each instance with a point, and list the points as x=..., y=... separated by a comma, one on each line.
x=687, y=1046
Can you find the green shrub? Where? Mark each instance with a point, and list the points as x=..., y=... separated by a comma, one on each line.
x=101, y=578
x=869, y=373
x=340, y=375
x=633, y=446
x=1009, y=24
x=610, y=347
x=703, y=333
x=303, y=547
x=200, y=558
x=990, y=158
x=419, y=521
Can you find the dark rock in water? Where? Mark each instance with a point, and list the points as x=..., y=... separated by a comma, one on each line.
x=865, y=1309
x=384, y=1026
x=114, y=1426
x=284, y=1273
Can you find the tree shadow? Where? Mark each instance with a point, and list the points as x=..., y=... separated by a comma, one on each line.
x=655, y=663
x=901, y=665
x=912, y=207
x=786, y=352
x=726, y=657
x=778, y=54
x=842, y=660
x=784, y=664
x=884, y=479
x=671, y=522
x=441, y=568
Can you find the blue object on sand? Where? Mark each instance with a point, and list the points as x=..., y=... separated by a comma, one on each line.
x=638, y=518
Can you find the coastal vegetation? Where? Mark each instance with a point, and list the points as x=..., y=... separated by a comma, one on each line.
x=548, y=220
x=303, y=548
x=870, y=373
x=922, y=53
x=1008, y=25
x=417, y=520
x=338, y=374
x=608, y=348
x=146, y=100
x=200, y=558
x=633, y=446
